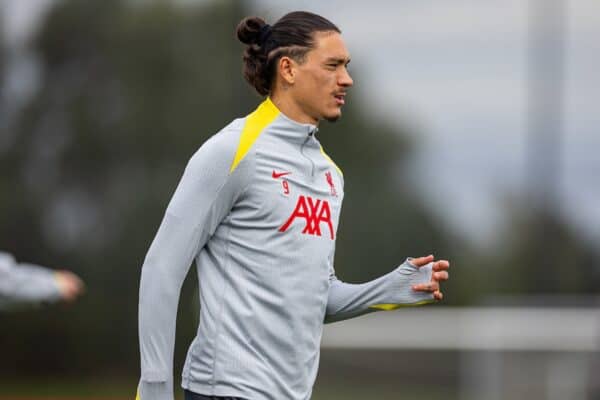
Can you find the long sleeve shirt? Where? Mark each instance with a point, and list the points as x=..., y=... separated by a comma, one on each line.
x=257, y=208
x=25, y=283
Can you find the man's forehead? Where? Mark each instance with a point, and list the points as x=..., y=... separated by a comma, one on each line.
x=330, y=45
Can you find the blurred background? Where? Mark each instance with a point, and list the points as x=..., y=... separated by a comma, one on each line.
x=472, y=133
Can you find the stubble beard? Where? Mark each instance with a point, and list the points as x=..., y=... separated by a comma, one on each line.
x=334, y=118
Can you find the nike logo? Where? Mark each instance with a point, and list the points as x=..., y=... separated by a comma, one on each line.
x=279, y=174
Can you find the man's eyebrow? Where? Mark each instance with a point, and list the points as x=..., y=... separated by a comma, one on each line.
x=338, y=60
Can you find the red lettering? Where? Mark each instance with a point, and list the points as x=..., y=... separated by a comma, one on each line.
x=313, y=212
x=300, y=211
x=312, y=224
x=325, y=216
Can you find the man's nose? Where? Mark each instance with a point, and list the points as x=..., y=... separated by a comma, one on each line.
x=345, y=79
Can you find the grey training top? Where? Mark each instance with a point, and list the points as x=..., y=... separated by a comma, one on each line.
x=257, y=208
x=25, y=283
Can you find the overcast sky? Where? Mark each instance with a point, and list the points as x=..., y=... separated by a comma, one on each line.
x=456, y=71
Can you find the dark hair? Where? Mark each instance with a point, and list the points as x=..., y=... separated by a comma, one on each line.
x=291, y=36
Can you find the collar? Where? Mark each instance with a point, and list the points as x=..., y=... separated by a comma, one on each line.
x=288, y=126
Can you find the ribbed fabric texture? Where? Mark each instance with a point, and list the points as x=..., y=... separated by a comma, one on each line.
x=348, y=300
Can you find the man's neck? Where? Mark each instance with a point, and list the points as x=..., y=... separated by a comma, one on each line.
x=291, y=109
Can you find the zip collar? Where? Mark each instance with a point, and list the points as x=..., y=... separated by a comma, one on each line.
x=287, y=127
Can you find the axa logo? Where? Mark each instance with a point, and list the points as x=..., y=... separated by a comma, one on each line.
x=314, y=212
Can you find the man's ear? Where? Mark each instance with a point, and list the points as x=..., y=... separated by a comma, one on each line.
x=286, y=68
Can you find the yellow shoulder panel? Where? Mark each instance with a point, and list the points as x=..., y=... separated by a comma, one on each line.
x=255, y=124
x=331, y=161
x=390, y=307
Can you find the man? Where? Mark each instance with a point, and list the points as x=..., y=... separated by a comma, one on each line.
x=258, y=208
x=31, y=284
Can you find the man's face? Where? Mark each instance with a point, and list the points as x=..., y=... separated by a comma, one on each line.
x=323, y=79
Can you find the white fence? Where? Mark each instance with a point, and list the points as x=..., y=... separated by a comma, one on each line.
x=477, y=328
x=505, y=352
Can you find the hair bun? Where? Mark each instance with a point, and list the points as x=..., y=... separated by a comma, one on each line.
x=250, y=30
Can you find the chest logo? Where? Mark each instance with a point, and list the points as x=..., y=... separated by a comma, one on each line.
x=314, y=212
x=277, y=175
x=329, y=179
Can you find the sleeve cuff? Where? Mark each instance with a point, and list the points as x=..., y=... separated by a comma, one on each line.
x=154, y=390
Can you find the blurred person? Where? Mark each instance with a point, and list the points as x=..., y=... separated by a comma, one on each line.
x=258, y=208
x=22, y=284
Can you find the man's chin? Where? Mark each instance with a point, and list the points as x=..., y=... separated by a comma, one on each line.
x=333, y=117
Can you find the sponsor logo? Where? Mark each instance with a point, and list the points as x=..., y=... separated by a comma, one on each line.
x=314, y=212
